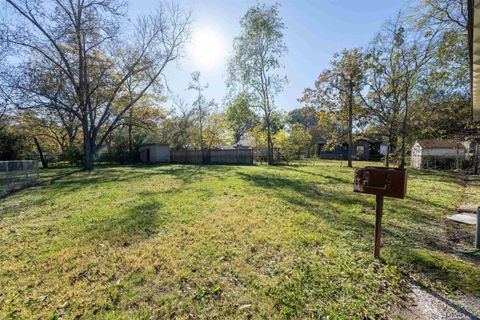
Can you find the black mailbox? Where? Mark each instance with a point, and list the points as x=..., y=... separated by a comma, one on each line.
x=381, y=181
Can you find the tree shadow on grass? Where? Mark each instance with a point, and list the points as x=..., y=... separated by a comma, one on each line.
x=148, y=215
x=410, y=204
x=339, y=212
x=120, y=174
x=319, y=173
x=83, y=180
x=309, y=190
x=434, y=175
x=314, y=198
x=193, y=173
x=131, y=225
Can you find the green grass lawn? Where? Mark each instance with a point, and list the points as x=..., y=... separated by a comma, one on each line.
x=197, y=242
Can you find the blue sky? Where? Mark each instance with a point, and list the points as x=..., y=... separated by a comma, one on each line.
x=315, y=30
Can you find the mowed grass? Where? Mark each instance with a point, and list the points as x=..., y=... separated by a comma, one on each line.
x=198, y=242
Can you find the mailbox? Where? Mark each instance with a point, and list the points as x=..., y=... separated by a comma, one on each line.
x=380, y=181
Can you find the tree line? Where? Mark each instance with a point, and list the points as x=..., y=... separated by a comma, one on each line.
x=81, y=82
x=410, y=82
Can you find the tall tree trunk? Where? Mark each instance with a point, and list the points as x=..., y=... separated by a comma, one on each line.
x=404, y=132
x=475, y=159
x=237, y=137
x=392, y=137
x=387, y=157
x=269, y=141
x=40, y=152
x=71, y=141
x=130, y=143
x=271, y=159
x=71, y=132
x=63, y=151
x=88, y=147
x=89, y=155
x=350, y=128
x=201, y=126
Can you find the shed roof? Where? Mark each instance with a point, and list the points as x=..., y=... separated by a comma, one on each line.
x=155, y=144
x=441, y=144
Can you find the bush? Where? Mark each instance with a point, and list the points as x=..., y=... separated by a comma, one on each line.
x=13, y=146
x=119, y=153
x=74, y=155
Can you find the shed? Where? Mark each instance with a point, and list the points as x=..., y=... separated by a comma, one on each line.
x=442, y=152
x=155, y=153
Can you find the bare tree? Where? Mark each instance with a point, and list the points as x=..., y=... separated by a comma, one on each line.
x=85, y=43
x=416, y=50
x=441, y=12
x=3, y=55
x=384, y=92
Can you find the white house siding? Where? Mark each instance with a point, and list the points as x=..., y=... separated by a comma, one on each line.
x=384, y=148
x=158, y=153
x=424, y=154
x=417, y=155
x=161, y=154
x=443, y=152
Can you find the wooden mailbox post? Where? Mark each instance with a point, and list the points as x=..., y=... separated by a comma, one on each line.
x=382, y=182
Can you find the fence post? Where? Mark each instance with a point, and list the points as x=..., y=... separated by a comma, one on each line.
x=37, y=169
x=26, y=172
x=8, y=176
x=456, y=160
x=477, y=233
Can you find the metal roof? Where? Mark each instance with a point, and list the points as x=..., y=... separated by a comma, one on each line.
x=441, y=144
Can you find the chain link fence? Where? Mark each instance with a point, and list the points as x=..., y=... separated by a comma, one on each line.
x=440, y=162
x=17, y=174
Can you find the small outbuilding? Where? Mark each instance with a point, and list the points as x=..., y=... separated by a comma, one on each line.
x=437, y=153
x=155, y=153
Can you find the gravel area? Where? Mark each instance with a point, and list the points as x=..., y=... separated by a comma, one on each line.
x=428, y=305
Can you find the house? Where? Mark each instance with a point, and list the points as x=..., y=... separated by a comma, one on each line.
x=361, y=150
x=378, y=149
x=437, y=153
x=155, y=153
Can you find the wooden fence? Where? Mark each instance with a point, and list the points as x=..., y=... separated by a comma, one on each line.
x=241, y=156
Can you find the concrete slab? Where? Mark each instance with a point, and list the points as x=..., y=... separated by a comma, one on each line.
x=468, y=208
x=464, y=217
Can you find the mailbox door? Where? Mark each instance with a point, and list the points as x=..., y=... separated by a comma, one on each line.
x=389, y=182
